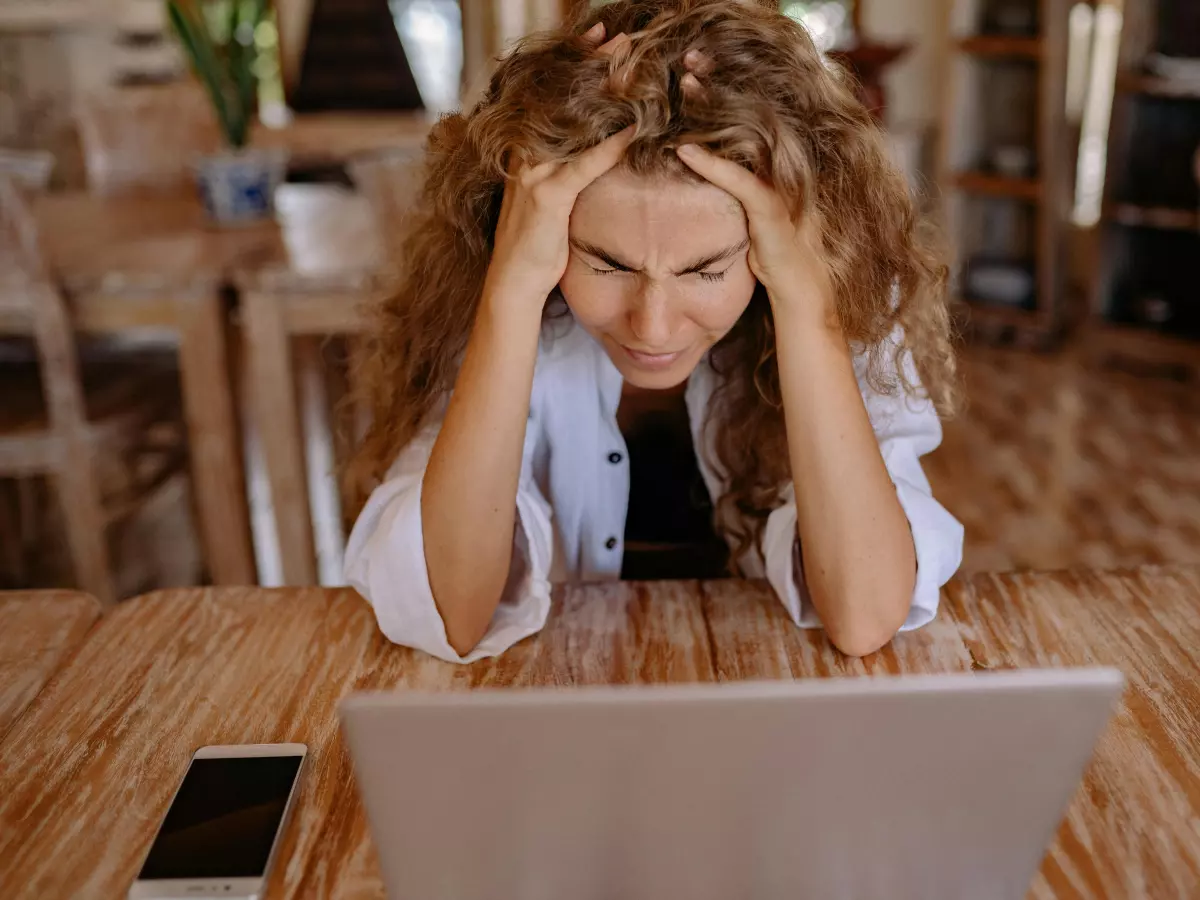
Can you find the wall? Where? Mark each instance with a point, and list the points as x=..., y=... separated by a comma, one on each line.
x=915, y=82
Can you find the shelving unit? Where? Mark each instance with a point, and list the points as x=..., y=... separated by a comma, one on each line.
x=1145, y=308
x=1005, y=166
x=1000, y=46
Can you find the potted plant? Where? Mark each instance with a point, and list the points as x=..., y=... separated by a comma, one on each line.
x=218, y=38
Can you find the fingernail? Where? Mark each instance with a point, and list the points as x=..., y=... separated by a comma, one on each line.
x=686, y=149
x=595, y=30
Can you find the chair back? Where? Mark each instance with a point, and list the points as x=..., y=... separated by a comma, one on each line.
x=29, y=295
x=21, y=259
x=145, y=137
x=27, y=292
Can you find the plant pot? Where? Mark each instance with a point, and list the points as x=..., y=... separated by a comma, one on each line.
x=238, y=187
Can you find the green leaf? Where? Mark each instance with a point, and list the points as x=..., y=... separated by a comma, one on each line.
x=245, y=69
x=220, y=60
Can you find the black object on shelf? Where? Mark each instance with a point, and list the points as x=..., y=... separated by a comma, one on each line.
x=1157, y=285
x=1178, y=28
x=1159, y=167
x=1011, y=18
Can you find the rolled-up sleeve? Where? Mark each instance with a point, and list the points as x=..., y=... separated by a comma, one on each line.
x=907, y=428
x=385, y=561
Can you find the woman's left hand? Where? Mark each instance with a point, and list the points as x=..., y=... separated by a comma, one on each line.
x=786, y=257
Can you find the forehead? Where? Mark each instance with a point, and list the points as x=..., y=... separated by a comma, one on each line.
x=631, y=209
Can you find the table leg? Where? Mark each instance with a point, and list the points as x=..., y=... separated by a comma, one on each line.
x=319, y=427
x=273, y=400
x=216, y=462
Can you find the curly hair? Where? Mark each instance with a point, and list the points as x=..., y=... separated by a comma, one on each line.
x=770, y=103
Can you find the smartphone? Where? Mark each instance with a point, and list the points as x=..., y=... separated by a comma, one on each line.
x=222, y=829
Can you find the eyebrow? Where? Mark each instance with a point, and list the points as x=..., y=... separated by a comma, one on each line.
x=698, y=266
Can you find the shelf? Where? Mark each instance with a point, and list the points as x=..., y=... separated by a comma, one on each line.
x=1163, y=218
x=1000, y=46
x=990, y=185
x=1144, y=344
x=1157, y=86
x=997, y=313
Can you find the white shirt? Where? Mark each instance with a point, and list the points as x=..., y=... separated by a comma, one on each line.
x=573, y=496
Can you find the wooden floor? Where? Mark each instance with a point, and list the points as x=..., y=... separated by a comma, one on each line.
x=1051, y=466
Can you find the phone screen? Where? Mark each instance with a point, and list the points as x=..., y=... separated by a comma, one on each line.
x=224, y=818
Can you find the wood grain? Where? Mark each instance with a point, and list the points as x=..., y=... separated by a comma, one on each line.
x=186, y=668
x=1132, y=829
x=39, y=630
x=214, y=454
x=277, y=419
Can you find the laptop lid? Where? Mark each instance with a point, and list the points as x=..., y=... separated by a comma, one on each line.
x=931, y=787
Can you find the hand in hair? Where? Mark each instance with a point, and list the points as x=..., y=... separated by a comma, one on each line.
x=786, y=257
x=782, y=252
x=531, y=250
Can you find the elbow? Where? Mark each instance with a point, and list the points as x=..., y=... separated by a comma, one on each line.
x=866, y=631
x=465, y=619
x=860, y=641
x=462, y=641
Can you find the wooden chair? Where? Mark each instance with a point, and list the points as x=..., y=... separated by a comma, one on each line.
x=145, y=137
x=106, y=440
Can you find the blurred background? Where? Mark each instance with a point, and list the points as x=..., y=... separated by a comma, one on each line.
x=181, y=280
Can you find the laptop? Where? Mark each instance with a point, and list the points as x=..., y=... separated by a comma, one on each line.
x=929, y=788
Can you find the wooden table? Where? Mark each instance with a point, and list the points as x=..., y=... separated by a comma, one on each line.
x=185, y=668
x=316, y=140
x=141, y=263
x=39, y=630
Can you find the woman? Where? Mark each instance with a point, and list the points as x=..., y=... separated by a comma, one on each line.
x=669, y=312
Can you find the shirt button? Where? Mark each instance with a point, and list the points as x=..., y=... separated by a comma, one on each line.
x=615, y=457
x=611, y=543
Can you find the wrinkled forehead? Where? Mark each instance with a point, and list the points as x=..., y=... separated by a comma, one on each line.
x=623, y=208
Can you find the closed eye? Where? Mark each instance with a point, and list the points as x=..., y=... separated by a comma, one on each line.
x=712, y=276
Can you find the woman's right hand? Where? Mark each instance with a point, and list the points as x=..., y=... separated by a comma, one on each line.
x=530, y=250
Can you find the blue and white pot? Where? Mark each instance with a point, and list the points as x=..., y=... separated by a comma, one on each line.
x=239, y=187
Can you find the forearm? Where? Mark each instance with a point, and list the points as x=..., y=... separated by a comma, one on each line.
x=468, y=500
x=856, y=545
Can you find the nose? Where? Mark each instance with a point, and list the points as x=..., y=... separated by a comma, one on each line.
x=650, y=318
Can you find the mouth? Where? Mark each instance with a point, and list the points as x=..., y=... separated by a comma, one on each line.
x=651, y=360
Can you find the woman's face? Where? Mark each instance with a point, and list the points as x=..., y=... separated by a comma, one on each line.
x=657, y=273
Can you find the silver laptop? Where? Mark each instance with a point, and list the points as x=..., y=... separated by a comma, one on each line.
x=925, y=788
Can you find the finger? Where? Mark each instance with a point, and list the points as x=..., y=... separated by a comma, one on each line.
x=698, y=63
x=738, y=181
x=594, y=35
x=692, y=88
x=522, y=168
x=610, y=48
x=594, y=162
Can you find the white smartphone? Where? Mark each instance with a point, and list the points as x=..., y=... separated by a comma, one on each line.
x=222, y=829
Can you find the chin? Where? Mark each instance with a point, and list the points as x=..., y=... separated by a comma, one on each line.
x=653, y=377
x=655, y=381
